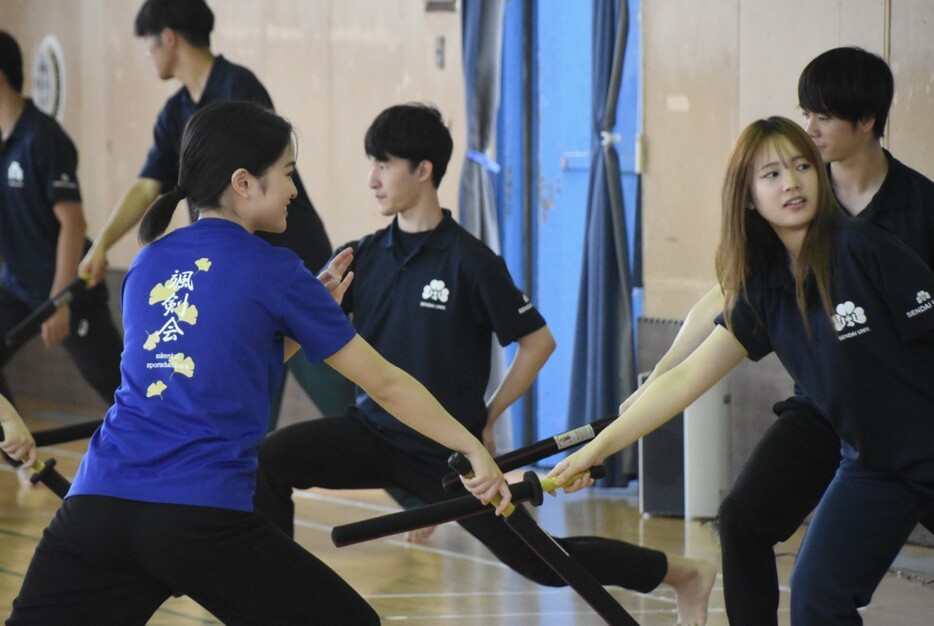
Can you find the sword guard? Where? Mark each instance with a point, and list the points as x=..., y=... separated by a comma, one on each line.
x=41, y=470
x=531, y=479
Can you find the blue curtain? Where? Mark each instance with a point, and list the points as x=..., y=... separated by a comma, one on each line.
x=604, y=364
x=482, y=58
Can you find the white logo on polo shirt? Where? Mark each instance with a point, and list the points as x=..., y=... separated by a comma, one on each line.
x=526, y=305
x=14, y=174
x=848, y=315
x=64, y=182
x=434, y=295
x=924, y=299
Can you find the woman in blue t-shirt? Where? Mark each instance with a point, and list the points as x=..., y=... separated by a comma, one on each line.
x=162, y=501
x=848, y=310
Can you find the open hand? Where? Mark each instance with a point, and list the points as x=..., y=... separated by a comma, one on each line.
x=332, y=277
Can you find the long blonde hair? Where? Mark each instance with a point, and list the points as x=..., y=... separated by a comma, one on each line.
x=747, y=241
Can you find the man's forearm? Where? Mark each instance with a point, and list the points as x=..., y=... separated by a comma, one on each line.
x=128, y=211
x=70, y=243
x=534, y=350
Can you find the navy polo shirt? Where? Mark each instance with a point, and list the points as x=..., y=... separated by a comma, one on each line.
x=433, y=313
x=304, y=233
x=869, y=369
x=904, y=205
x=38, y=164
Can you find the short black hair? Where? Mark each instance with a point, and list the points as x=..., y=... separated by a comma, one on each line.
x=192, y=19
x=415, y=132
x=848, y=83
x=11, y=61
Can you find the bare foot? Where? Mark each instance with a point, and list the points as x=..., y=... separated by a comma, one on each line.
x=419, y=535
x=692, y=581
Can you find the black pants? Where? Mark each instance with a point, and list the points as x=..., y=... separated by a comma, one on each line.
x=94, y=343
x=783, y=480
x=111, y=561
x=345, y=453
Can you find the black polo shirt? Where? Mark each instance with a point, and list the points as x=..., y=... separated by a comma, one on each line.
x=38, y=164
x=904, y=205
x=304, y=233
x=433, y=313
x=871, y=370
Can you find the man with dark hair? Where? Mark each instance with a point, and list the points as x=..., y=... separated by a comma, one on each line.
x=192, y=20
x=845, y=95
x=42, y=235
x=850, y=84
x=178, y=34
x=429, y=297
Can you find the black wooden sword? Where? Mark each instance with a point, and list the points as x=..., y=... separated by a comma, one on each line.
x=44, y=311
x=530, y=489
x=539, y=450
x=550, y=551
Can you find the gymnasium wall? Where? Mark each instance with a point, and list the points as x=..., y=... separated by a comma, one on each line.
x=329, y=65
x=712, y=67
x=709, y=68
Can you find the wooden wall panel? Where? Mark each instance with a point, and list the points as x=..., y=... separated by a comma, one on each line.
x=711, y=68
x=329, y=65
x=911, y=122
x=691, y=98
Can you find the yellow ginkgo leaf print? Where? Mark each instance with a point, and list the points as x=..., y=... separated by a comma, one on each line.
x=162, y=292
x=182, y=365
x=156, y=389
x=152, y=340
x=203, y=264
x=187, y=313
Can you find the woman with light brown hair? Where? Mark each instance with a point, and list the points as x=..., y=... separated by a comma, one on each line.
x=848, y=310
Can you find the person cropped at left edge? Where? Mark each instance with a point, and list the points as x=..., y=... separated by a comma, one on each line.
x=42, y=235
x=163, y=500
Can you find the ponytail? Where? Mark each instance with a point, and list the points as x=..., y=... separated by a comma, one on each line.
x=217, y=140
x=159, y=214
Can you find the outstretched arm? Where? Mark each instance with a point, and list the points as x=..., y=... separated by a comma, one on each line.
x=697, y=326
x=409, y=402
x=126, y=214
x=671, y=393
x=533, y=350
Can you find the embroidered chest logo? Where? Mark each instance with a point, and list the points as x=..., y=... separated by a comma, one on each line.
x=848, y=315
x=14, y=174
x=177, y=309
x=435, y=295
x=923, y=298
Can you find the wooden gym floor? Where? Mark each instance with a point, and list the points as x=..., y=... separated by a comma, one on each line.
x=451, y=580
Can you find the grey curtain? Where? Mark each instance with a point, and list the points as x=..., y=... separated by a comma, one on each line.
x=483, y=51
